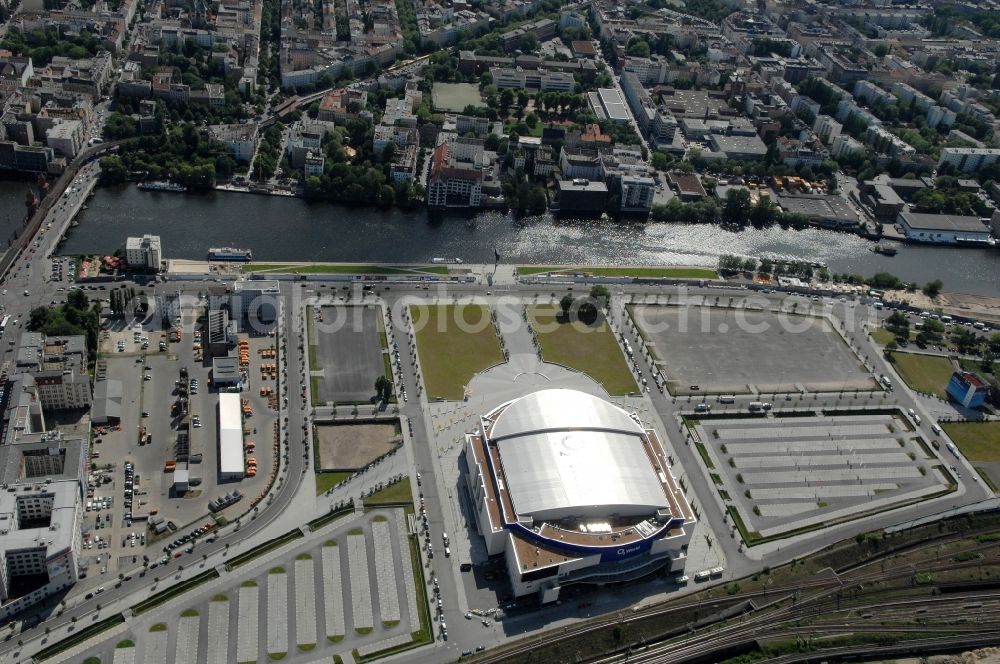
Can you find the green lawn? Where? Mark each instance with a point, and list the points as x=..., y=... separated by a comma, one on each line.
x=326, y=481
x=924, y=373
x=391, y=495
x=311, y=344
x=592, y=350
x=646, y=272
x=532, y=131
x=979, y=442
x=324, y=268
x=449, y=355
x=882, y=336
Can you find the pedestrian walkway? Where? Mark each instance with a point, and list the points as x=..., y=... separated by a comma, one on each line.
x=218, y=631
x=187, y=640
x=517, y=337
x=333, y=594
x=385, y=572
x=277, y=613
x=124, y=656
x=247, y=643
x=361, y=590
x=156, y=648
x=305, y=602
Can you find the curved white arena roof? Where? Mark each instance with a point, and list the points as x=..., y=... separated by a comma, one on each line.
x=561, y=409
x=567, y=454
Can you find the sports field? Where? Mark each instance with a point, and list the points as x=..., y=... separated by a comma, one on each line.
x=590, y=349
x=452, y=352
x=455, y=96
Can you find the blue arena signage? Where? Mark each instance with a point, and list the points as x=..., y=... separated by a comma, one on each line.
x=623, y=552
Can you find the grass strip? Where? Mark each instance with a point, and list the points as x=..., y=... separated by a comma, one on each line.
x=267, y=546
x=79, y=637
x=321, y=521
x=703, y=451
x=173, y=591
x=625, y=271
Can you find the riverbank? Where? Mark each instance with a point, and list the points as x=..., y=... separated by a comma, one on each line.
x=281, y=229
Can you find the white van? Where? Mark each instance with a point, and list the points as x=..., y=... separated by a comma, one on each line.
x=936, y=429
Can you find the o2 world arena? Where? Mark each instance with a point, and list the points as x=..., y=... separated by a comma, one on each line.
x=572, y=489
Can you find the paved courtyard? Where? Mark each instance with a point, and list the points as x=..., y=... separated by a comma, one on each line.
x=786, y=473
x=352, y=587
x=347, y=350
x=718, y=349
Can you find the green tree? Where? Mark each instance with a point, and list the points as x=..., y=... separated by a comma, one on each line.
x=661, y=160
x=638, y=49
x=600, y=294
x=763, y=213
x=736, y=210
x=965, y=340
x=898, y=324
x=536, y=199
x=565, y=304
x=587, y=312
x=933, y=288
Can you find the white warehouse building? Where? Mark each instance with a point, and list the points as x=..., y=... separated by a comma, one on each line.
x=572, y=489
x=231, y=462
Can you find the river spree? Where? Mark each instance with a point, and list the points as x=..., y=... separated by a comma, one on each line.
x=289, y=229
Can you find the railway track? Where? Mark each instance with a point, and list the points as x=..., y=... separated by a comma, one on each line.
x=819, y=598
x=748, y=633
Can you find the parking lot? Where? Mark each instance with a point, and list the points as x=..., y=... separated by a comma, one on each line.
x=353, y=587
x=154, y=430
x=346, y=350
x=722, y=350
x=786, y=473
